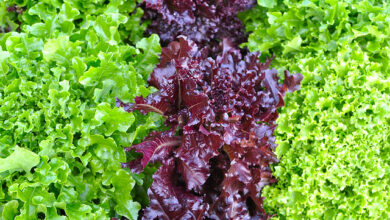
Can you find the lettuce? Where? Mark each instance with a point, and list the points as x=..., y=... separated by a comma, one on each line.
x=221, y=112
x=203, y=21
x=61, y=135
x=9, y=17
x=333, y=134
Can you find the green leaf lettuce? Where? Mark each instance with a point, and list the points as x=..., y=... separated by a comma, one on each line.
x=333, y=134
x=61, y=136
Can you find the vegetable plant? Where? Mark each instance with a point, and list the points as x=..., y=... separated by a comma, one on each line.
x=221, y=113
x=61, y=135
x=202, y=21
x=333, y=134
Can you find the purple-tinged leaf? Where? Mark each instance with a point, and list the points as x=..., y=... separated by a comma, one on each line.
x=195, y=153
x=169, y=201
x=153, y=103
x=223, y=111
x=202, y=21
x=135, y=166
x=270, y=81
x=157, y=147
x=292, y=82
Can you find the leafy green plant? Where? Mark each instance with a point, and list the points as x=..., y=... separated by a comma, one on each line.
x=9, y=17
x=61, y=135
x=333, y=134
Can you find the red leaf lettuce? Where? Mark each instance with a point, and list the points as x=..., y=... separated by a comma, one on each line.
x=205, y=22
x=221, y=112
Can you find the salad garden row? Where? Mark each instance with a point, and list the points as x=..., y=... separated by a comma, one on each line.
x=164, y=109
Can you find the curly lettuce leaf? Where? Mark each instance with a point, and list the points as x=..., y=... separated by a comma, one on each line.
x=215, y=157
x=20, y=159
x=61, y=136
x=333, y=133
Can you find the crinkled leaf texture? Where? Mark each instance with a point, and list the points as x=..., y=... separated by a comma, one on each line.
x=9, y=17
x=333, y=135
x=60, y=132
x=20, y=159
x=203, y=21
x=221, y=113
